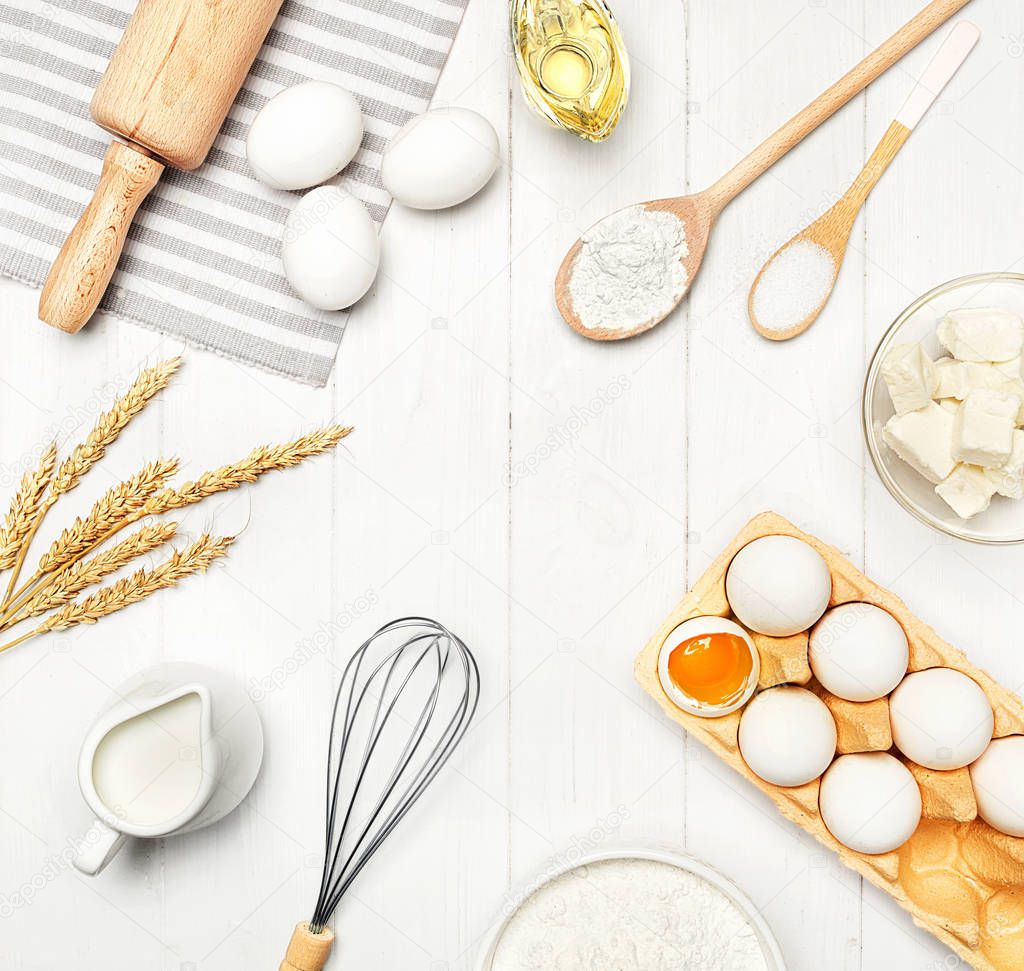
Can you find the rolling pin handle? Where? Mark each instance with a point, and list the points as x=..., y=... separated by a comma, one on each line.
x=87, y=260
x=307, y=951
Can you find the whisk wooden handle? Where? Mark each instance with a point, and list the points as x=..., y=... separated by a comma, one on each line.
x=307, y=951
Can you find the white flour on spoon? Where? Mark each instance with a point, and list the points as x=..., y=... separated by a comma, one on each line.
x=629, y=270
x=628, y=915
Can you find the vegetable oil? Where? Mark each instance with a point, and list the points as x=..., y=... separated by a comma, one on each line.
x=572, y=63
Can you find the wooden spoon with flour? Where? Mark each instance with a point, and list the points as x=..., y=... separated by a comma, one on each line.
x=632, y=268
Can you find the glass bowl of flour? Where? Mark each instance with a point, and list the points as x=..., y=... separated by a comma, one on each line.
x=1003, y=522
x=631, y=910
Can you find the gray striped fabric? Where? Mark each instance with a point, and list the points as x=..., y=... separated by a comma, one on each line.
x=202, y=259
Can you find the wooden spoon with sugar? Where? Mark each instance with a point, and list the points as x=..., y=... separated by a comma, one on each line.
x=792, y=288
x=604, y=319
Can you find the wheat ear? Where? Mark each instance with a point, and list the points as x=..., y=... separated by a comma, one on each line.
x=141, y=584
x=66, y=584
x=110, y=424
x=24, y=506
x=261, y=460
x=113, y=508
x=150, y=382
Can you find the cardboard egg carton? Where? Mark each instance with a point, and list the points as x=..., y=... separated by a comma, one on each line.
x=960, y=879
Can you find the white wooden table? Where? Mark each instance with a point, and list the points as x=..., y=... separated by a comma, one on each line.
x=548, y=497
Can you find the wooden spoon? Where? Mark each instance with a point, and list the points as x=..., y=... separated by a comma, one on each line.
x=831, y=232
x=700, y=211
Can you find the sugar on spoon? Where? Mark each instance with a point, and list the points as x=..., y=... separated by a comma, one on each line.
x=697, y=213
x=792, y=288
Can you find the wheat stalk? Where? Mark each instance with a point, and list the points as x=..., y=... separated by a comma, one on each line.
x=115, y=507
x=24, y=507
x=262, y=459
x=108, y=426
x=140, y=585
x=64, y=585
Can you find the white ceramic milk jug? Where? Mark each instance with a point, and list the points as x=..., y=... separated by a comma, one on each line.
x=178, y=747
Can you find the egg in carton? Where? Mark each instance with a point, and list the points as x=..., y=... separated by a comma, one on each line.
x=959, y=878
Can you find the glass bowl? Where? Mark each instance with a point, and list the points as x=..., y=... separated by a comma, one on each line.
x=1003, y=522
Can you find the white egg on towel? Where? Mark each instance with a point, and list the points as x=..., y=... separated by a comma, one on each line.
x=330, y=249
x=304, y=135
x=440, y=158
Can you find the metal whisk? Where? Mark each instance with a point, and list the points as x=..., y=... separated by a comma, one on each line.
x=405, y=701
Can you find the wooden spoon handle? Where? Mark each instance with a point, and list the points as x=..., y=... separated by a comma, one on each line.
x=87, y=260
x=827, y=104
x=307, y=951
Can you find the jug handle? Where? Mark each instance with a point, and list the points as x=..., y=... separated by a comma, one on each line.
x=97, y=848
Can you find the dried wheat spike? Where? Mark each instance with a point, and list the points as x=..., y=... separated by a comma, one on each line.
x=122, y=593
x=68, y=583
x=110, y=424
x=114, y=508
x=24, y=507
x=263, y=459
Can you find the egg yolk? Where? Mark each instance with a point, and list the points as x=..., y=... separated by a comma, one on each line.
x=712, y=668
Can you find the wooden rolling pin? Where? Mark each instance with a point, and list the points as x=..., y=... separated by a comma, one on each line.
x=167, y=89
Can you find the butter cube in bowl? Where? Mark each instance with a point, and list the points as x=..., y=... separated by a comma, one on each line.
x=943, y=408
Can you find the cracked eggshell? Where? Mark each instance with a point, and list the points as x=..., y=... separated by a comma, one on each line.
x=304, y=135
x=440, y=158
x=330, y=249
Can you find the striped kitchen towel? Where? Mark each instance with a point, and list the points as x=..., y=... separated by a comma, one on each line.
x=202, y=260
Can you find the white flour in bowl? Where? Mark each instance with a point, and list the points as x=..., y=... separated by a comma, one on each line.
x=629, y=270
x=628, y=915
x=793, y=285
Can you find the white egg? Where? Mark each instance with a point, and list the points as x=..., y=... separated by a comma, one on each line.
x=330, y=249
x=870, y=802
x=440, y=158
x=998, y=778
x=941, y=718
x=858, y=652
x=778, y=585
x=699, y=627
x=304, y=135
x=787, y=736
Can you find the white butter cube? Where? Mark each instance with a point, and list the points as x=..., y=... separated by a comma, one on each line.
x=982, y=334
x=957, y=379
x=909, y=375
x=923, y=439
x=967, y=490
x=983, y=428
x=1009, y=480
x=949, y=404
x=1012, y=369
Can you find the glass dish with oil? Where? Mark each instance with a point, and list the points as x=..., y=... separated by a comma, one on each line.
x=572, y=63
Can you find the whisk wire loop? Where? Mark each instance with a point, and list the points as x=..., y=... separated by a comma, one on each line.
x=425, y=691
